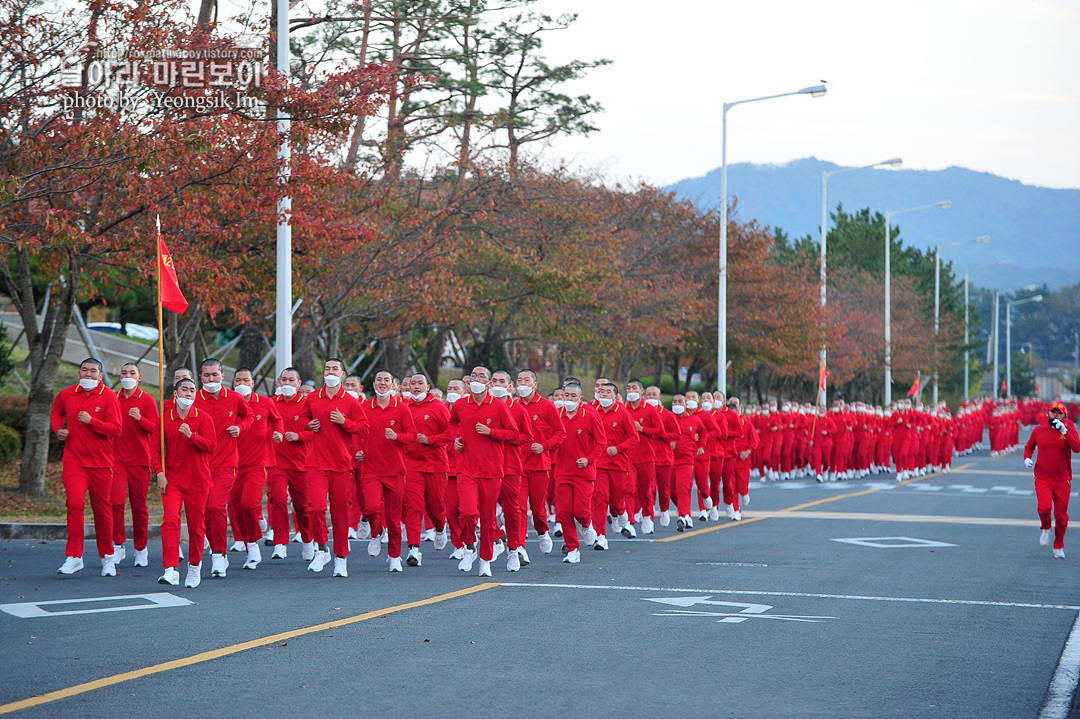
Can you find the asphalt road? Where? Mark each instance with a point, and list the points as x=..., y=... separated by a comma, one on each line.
x=767, y=617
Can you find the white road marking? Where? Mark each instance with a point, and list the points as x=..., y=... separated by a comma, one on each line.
x=748, y=611
x=926, y=487
x=1059, y=696
x=906, y=518
x=730, y=564
x=157, y=600
x=892, y=542
x=811, y=595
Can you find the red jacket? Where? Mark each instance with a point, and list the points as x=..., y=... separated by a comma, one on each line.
x=621, y=434
x=386, y=457
x=292, y=456
x=132, y=447
x=651, y=432
x=746, y=437
x=256, y=445
x=88, y=444
x=662, y=449
x=1054, y=462
x=691, y=437
x=226, y=410
x=512, y=458
x=547, y=430
x=430, y=418
x=187, y=460
x=482, y=454
x=585, y=438
x=331, y=447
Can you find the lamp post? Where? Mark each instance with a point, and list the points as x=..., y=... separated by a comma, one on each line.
x=896, y=162
x=283, y=314
x=967, y=311
x=1008, y=338
x=944, y=205
x=937, y=297
x=721, y=310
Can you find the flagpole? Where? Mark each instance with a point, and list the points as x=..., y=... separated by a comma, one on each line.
x=161, y=353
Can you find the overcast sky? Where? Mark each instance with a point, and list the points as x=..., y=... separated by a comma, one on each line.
x=991, y=85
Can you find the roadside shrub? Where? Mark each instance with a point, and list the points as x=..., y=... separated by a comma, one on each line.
x=10, y=445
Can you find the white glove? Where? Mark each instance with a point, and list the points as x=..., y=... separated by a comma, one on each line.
x=1028, y=462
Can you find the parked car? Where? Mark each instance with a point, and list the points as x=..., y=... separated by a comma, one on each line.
x=138, y=331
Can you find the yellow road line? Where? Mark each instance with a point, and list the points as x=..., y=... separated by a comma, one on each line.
x=756, y=517
x=912, y=518
x=234, y=649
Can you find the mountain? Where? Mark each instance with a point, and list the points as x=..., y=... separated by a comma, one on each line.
x=1038, y=228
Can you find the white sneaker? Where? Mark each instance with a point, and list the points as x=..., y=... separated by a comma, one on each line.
x=415, y=557
x=467, y=560
x=513, y=562
x=428, y=535
x=737, y=516
x=523, y=556
x=263, y=525
x=308, y=551
x=119, y=553
x=1059, y=553
x=647, y=525
x=708, y=503
x=194, y=576
x=744, y=499
x=624, y=519
x=440, y=540
x=71, y=565
x=1045, y=536
x=458, y=553
x=363, y=530
x=219, y=564
x=238, y=546
x=280, y=551
x=497, y=550
x=703, y=516
x=142, y=558
x=557, y=530
x=665, y=519
x=268, y=536
x=689, y=522
x=341, y=567
x=714, y=514
x=601, y=543
x=108, y=567
x=680, y=525
x=374, y=546
x=395, y=564
x=629, y=531
x=384, y=537
x=545, y=543
x=254, y=556
x=573, y=557
x=181, y=548
x=320, y=560
x=729, y=510
x=485, y=567
x=297, y=538
x=352, y=533
x=590, y=535
x=171, y=577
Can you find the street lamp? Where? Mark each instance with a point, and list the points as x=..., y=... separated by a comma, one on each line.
x=283, y=315
x=997, y=329
x=896, y=162
x=944, y=205
x=937, y=296
x=967, y=310
x=721, y=310
x=1008, y=339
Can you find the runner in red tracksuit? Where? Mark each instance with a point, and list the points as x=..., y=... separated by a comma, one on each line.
x=184, y=481
x=536, y=458
x=714, y=433
x=92, y=415
x=510, y=492
x=575, y=470
x=231, y=416
x=334, y=416
x=484, y=430
x=643, y=456
x=426, y=468
x=390, y=430
x=664, y=451
x=689, y=447
x=286, y=478
x=131, y=471
x=745, y=440
x=256, y=454
x=1056, y=440
x=613, y=468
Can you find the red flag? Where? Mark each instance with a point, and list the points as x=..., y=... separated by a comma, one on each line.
x=824, y=374
x=1036, y=388
x=1003, y=387
x=171, y=296
x=915, y=386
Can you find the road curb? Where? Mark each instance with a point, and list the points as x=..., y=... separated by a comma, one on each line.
x=56, y=530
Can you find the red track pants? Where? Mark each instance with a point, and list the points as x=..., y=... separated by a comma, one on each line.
x=280, y=485
x=340, y=487
x=133, y=482
x=98, y=481
x=534, y=493
x=383, y=498
x=1054, y=494
x=217, y=521
x=424, y=492
x=573, y=500
x=194, y=505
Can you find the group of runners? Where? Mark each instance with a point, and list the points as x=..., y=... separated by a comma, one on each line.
x=470, y=469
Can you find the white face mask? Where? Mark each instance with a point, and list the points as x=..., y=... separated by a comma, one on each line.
x=707, y=406
x=286, y=390
x=559, y=404
x=128, y=382
x=406, y=394
x=691, y=404
x=605, y=402
x=524, y=391
x=570, y=406
x=212, y=387
x=633, y=396
x=477, y=387
x=452, y=397
x=88, y=384
x=184, y=402
x=382, y=395
x=353, y=393
x=331, y=380
x=499, y=392
x=653, y=402
x=678, y=409
x=836, y=410
x=419, y=397
x=243, y=390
